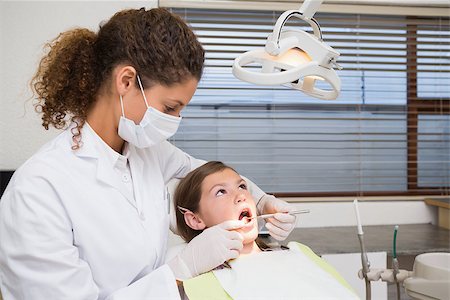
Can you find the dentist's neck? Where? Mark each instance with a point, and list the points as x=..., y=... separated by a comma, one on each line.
x=103, y=120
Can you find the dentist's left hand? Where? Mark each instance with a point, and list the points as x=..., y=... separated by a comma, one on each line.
x=209, y=249
x=282, y=223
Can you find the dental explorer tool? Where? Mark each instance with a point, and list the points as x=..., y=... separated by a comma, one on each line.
x=294, y=212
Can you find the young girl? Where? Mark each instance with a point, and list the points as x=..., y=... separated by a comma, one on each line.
x=215, y=193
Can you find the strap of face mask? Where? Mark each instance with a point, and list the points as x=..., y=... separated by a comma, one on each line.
x=142, y=90
x=121, y=105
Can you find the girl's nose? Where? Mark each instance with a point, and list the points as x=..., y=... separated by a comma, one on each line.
x=240, y=197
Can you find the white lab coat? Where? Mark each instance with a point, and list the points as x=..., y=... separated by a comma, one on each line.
x=70, y=230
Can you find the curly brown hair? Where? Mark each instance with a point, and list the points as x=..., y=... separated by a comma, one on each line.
x=158, y=44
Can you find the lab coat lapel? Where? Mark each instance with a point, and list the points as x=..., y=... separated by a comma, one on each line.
x=105, y=172
x=107, y=175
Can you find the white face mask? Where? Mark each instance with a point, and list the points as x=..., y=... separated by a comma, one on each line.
x=154, y=127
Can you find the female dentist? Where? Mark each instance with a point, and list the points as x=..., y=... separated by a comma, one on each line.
x=87, y=217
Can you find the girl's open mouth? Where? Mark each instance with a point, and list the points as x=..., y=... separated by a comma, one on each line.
x=246, y=215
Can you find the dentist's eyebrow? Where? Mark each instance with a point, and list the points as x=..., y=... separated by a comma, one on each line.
x=179, y=102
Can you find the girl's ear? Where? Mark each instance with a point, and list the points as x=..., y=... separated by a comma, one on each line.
x=194, y=221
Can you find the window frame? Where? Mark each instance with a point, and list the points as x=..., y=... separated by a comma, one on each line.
x=418, y=106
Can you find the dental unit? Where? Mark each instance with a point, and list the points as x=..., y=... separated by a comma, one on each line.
x=430, y=278
x=293, y=58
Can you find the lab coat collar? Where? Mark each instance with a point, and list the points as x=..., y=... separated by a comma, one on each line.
x=88, y=141
x=93, y=146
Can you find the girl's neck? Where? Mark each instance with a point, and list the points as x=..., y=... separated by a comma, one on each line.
x=250, y=248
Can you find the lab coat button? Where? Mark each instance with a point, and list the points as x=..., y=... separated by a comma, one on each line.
x=142, y=216
x=125, y=178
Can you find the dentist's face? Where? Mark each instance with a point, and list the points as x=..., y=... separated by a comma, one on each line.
x=225, y=197
x=167, y=99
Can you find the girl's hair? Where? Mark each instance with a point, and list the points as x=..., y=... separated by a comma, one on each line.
x=189, y=192
x=158, y=44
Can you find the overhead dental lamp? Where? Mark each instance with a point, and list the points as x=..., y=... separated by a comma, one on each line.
x=293, y=57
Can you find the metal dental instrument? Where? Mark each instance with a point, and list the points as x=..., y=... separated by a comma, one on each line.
x=364, y=260
x=395, y=265
x=294, y=212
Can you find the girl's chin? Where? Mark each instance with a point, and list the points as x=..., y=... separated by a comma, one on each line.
x=249, y=236
x=249, y=229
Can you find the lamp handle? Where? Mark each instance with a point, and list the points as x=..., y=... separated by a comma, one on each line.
x=272, y=44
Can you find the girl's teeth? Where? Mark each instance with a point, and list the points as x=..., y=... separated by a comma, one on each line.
x=246, y=219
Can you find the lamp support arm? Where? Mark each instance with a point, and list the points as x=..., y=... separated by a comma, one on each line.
x=309, y=8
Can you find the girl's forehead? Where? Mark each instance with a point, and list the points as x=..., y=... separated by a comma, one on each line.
x=224, y=176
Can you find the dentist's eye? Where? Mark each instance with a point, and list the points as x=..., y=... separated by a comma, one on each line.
x=243, y=186
x=220, y=192
x=168, y=109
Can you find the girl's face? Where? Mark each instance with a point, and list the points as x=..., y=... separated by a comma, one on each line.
x=225, y=197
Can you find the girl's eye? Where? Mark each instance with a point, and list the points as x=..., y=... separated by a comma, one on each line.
x=243, y=186
x=220, y=192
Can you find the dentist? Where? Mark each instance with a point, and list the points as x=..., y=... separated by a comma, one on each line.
x=87, y=216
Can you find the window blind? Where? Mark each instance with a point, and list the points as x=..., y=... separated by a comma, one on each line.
x=429, y=102
x=368, y=142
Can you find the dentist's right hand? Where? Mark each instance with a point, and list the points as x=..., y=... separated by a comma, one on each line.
x=211, y=248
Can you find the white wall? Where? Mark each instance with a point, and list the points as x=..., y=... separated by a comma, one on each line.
x=24, y=28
